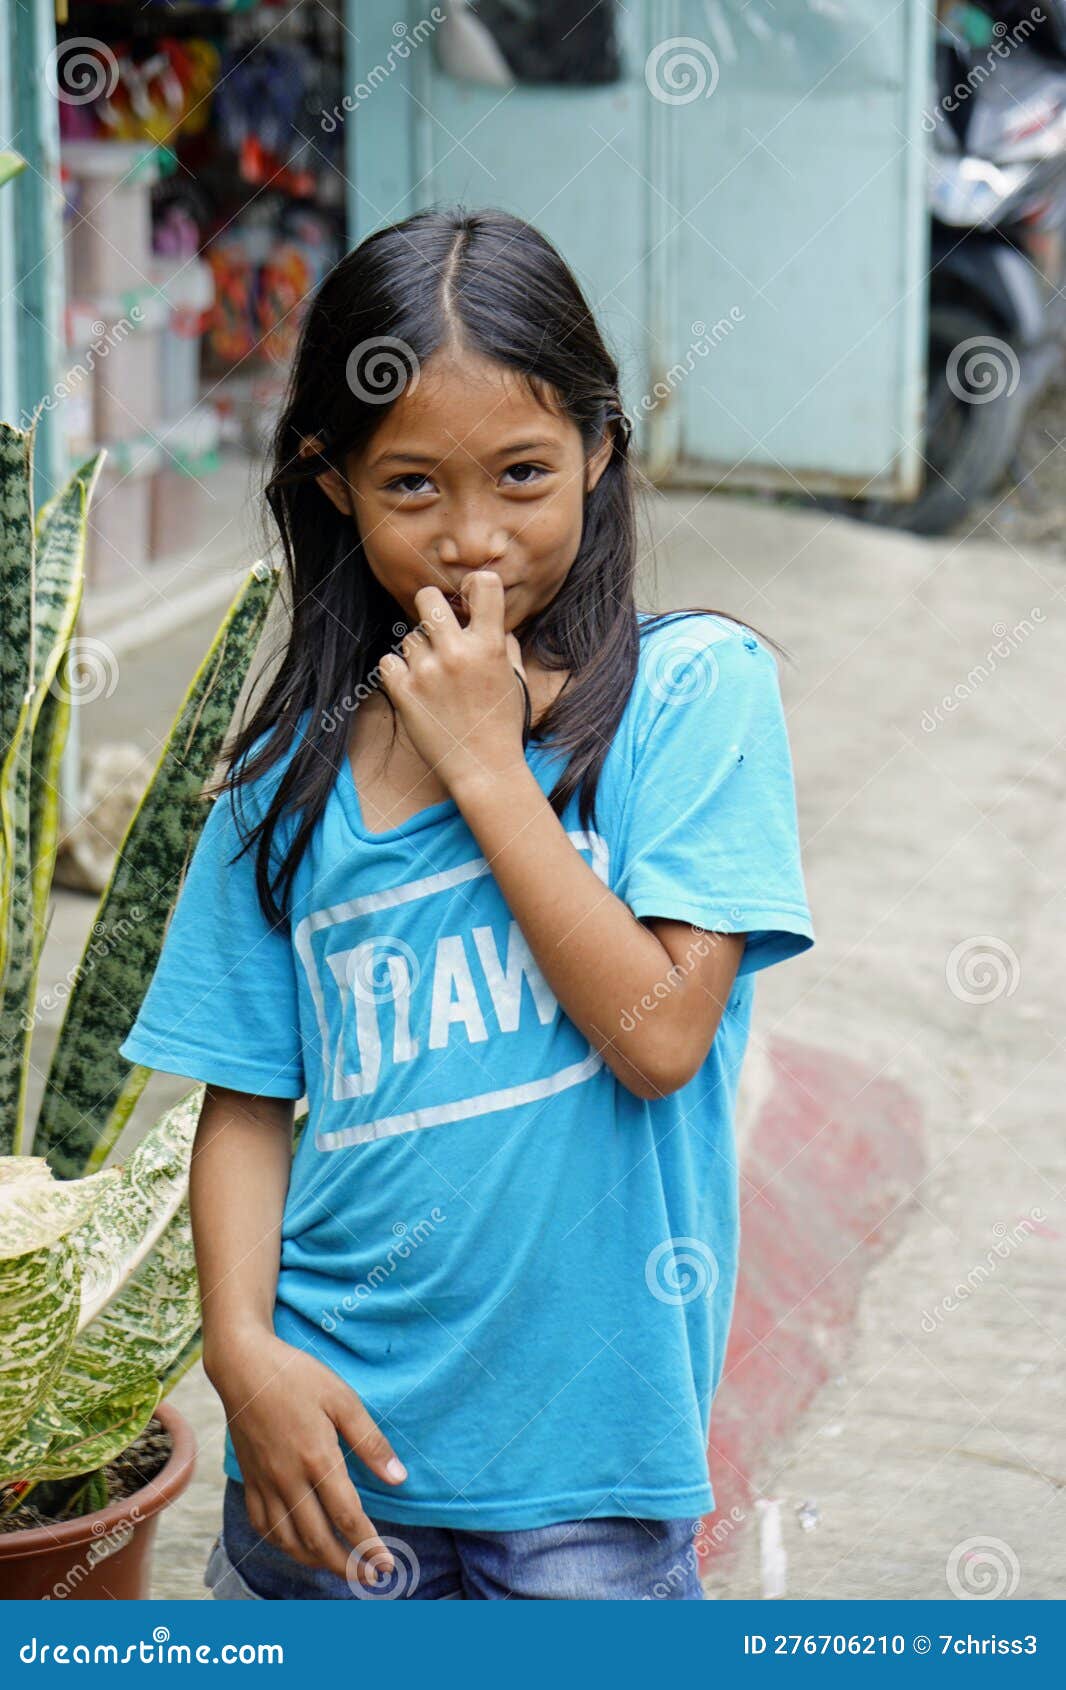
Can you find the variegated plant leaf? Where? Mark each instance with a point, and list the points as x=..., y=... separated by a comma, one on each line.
x=70, y=1434
x=91, y=1089
x=40, y=1282
x=36, y=1209
x=57, y=589
x=135, y=1213
x=148, y=1325
x=40, y=1298
x=190, y=1355
x=136, y=1304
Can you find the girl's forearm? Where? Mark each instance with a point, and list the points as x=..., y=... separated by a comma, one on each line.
x=596, y=957
x=238, y=1179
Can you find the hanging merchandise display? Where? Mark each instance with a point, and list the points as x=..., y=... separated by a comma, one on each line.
x=204, y=202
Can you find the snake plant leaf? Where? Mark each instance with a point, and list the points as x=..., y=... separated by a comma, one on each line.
x=49, y=738
x=91, y=1089
x=17, y=664
x=59, y=544
x=53, y=720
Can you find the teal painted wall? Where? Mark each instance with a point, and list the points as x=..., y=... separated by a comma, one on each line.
x=746, y=212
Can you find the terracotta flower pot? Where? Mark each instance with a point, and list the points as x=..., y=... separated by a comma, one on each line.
x=106, y=1555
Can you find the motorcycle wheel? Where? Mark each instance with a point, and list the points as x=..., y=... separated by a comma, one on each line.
x=970, y=441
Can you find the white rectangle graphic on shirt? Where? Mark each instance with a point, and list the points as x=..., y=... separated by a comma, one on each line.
x=504, y=982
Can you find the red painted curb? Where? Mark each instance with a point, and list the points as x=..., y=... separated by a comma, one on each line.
x=826, y=1177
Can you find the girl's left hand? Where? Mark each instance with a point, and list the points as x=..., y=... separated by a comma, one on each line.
x=455, y=688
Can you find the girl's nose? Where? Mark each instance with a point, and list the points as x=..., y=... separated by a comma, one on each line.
x=473, y=547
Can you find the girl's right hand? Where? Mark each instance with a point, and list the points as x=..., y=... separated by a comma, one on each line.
x=284, y=1409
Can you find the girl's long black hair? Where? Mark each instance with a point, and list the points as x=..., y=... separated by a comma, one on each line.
x=490, y=282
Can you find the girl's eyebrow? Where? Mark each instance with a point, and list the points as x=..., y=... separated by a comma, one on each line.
x=419, y=458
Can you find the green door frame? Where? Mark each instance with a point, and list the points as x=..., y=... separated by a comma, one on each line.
x=31, y=229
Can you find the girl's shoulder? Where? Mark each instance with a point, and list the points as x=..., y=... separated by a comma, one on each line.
x=696, y=627
x=678, y=648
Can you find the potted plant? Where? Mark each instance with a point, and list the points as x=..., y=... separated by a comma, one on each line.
x=99, y=1309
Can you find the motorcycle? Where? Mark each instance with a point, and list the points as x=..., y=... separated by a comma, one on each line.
x=997, y=261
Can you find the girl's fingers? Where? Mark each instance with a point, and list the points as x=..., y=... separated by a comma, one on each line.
x=344, y=1509
x=483, y=591
x=301, y=1527
x=314, y=1524
x=366, y=1438
x=255, y=1509
x=280, y=1529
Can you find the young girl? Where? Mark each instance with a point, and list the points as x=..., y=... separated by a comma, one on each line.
x=497, y=860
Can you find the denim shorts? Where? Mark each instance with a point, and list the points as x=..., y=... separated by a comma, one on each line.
x=609, y=1558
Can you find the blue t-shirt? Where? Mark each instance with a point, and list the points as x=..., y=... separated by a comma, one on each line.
x=524, y=1270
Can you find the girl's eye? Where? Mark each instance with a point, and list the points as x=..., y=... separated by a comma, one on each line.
x=536, y=473
x=398, y=486
x=529, y=474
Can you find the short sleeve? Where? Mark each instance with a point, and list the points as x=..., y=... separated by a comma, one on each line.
x=710, y=831
x=222, y=1004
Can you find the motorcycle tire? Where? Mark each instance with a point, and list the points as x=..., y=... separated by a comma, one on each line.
x=970, y=441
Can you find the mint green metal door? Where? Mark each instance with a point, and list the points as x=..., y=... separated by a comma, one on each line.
x=745, y=209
